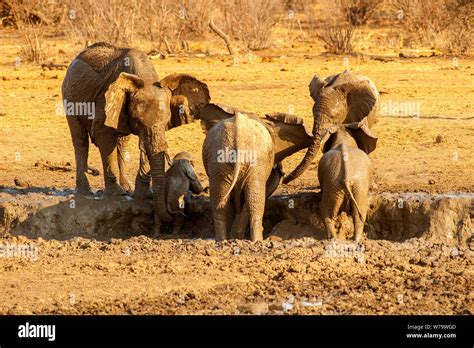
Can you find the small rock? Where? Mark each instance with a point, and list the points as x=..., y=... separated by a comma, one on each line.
x=21, y=182
x=431, y=182
x=439, y=139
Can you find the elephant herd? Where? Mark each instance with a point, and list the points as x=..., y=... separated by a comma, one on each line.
x=242, y=153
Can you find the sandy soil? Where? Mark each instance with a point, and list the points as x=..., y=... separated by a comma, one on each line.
x=141, y=275
x=432, y=153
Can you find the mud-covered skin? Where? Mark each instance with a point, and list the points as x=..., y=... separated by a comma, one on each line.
x=180, y=179
x=123, y=87
x=288, y=134
x=338, y=99
x=242, y=177
x=344, y=176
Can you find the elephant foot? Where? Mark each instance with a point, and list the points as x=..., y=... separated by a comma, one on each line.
x=114, y=190
x=157, y=229
x=142, y=193
x=84, y=191
x=125, y=183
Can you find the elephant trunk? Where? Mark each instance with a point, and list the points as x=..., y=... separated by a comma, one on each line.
x=157, y=166
x=323, y=109
x=315, y=143
x=307, y=159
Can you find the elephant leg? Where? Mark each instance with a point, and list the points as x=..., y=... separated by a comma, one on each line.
x=239, y=226
x=108, y=152
x=255, y=199
x=220, y=222
x=359, y=221
x=143, y=179
x=80, y=141
x=221, y=208
x=330, y=204
x=178, y=222
x=123, y=151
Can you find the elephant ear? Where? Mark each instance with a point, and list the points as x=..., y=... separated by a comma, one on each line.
x=187, y=169
x=190, y=88
x=211, y=114
x=362, y=98
x=315, y=86
x=288, y=119
x=180, y=112
x=327, y=139
x=360, y=131
x=115, y=117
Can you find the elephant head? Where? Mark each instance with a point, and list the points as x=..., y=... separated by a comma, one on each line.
x=189, y=95
x=132, y=103
x=338, y=99
x=359, y=133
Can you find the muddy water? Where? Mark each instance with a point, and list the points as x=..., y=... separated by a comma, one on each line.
x=60, y=215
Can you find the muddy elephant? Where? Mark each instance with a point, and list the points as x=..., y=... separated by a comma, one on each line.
x=111, y=92
x=242, y=154
x=180, y=179
x=338, y=99
x=344, y=174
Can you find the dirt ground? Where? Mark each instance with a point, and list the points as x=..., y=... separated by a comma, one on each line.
x=430, y=153
x=143, y=276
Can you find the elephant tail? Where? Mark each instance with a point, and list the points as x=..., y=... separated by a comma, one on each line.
x=238, y=125
x=345, y=158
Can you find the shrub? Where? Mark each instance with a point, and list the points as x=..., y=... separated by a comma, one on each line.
x=357, y=12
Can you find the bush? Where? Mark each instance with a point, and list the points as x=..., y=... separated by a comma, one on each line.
x=29, y=20
x=250, y=21
x=357, y=12
x=443, y=24
x=337, y=38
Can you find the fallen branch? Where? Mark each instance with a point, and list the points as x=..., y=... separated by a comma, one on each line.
x=222, y=35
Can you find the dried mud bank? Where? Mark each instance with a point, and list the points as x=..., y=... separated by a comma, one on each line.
x=442, y=218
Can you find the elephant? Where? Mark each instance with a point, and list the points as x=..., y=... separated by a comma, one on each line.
x=344, y=174
x=243, y=182
x=122, y=89
x=338, y=99
x=180, y=178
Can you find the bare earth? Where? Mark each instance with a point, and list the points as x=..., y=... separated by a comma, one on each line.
x=431, y=153
x=143, y=276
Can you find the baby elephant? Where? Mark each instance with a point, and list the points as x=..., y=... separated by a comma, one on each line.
x=344, y=174
x=180, y=178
